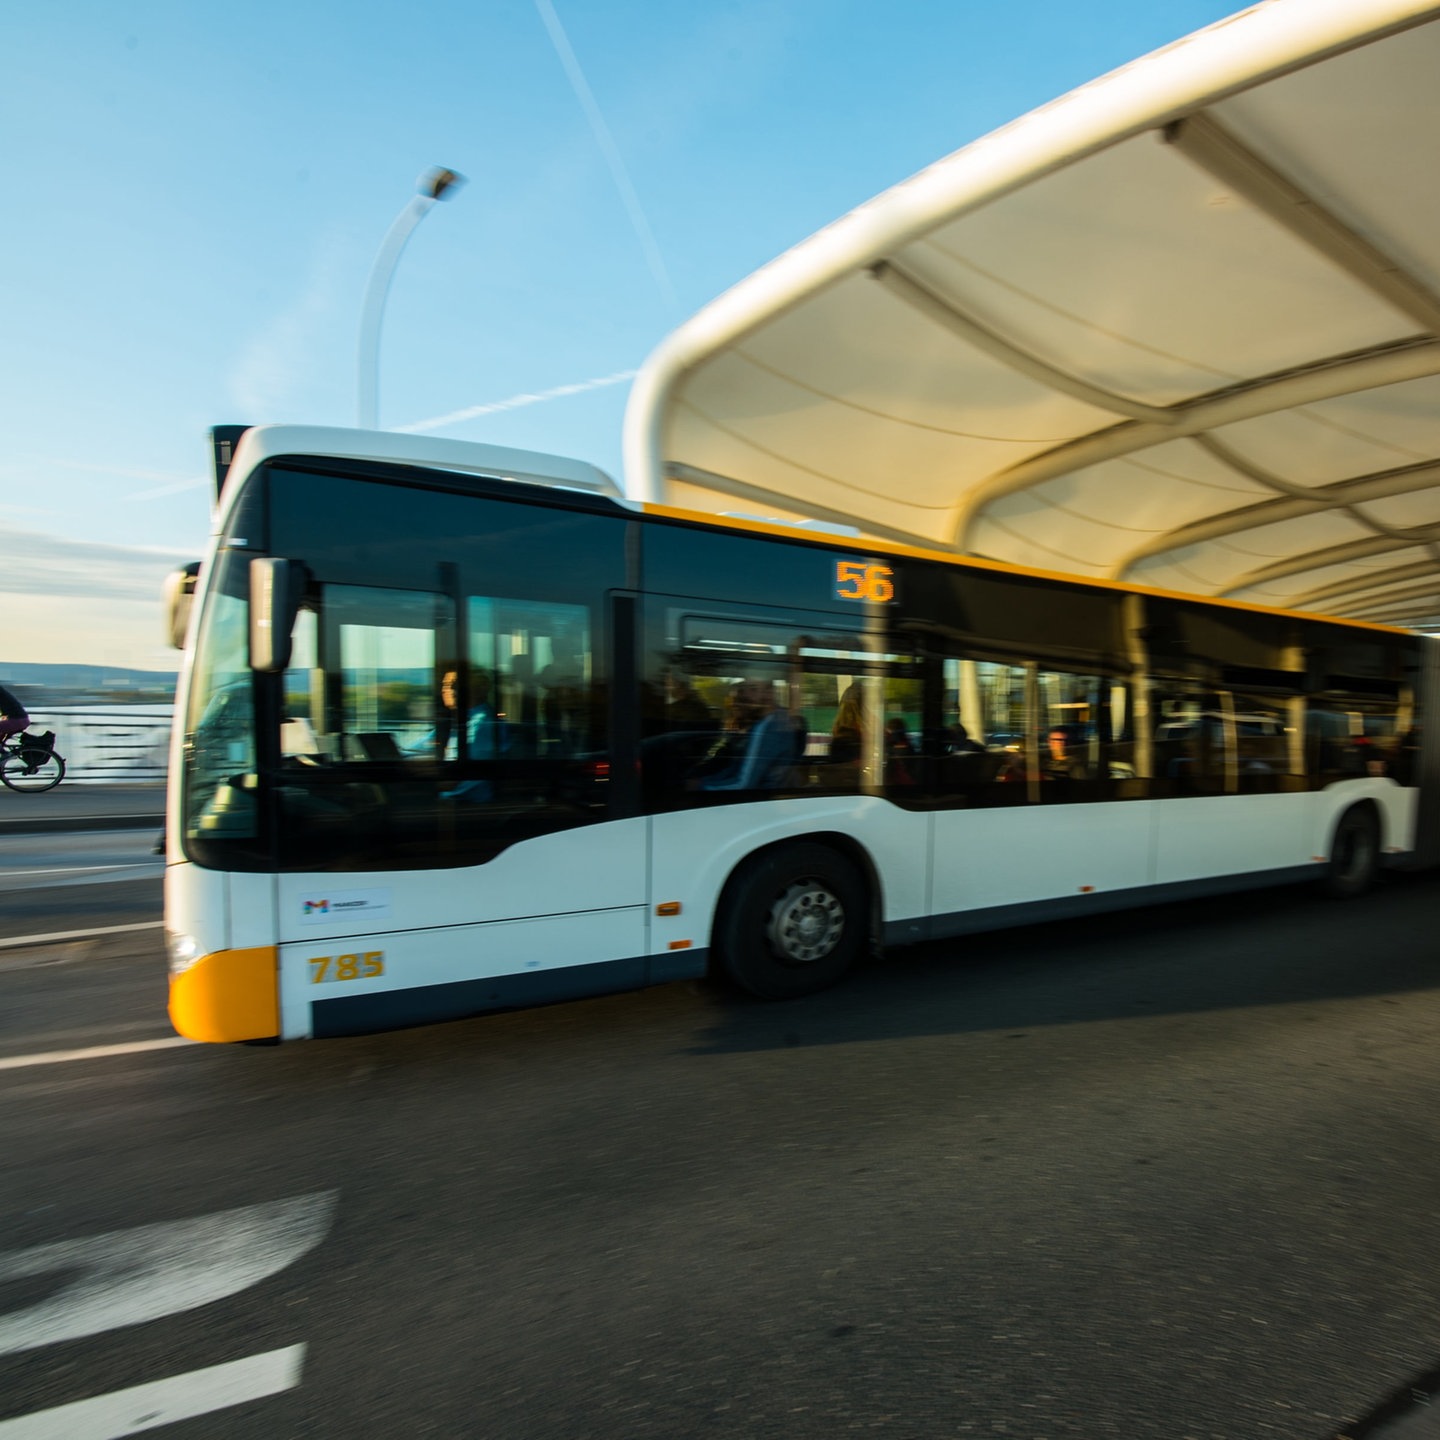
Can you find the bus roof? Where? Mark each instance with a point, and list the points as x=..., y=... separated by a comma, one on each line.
x=266, y=442
x=1178, y=329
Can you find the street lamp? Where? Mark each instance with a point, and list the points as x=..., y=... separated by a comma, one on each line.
x=435, y=184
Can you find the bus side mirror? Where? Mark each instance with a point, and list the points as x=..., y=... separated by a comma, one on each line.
x=178, y=598
x=276, y=588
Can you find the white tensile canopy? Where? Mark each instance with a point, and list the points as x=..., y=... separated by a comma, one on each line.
x=1179, y=328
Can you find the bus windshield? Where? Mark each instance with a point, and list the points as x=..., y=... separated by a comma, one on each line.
x=456, y=661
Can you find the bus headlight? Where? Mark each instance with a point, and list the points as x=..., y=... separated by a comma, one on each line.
x=182, y=950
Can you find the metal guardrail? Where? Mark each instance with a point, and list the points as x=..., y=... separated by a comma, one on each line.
x=109, y=742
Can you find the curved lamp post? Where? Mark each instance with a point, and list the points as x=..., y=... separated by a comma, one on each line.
x=435, y=184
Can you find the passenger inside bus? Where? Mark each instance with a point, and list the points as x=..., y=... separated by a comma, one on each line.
x=957, y=741
x=684, y=709
x=483, y=732
x=1062, y=759
x=897, y=738
x=900, y=753
x=757, y=749
x=847, y=734
x=562, y=686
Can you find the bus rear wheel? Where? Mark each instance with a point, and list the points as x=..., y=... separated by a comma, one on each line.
x=793, y=921
x=1354, y=854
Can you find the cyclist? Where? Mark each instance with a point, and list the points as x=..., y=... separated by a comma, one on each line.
x=13, y=718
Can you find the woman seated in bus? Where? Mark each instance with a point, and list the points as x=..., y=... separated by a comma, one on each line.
x=848, y=733
x=757, y=750
x=485, y=736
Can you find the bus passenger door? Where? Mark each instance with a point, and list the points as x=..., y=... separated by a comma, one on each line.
x=1231, y=794
x=1032, y=773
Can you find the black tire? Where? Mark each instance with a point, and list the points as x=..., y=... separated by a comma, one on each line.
x=32, y=770
x=792, y=921
x=1354, y=854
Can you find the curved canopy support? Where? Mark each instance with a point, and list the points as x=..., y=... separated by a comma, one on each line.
x=1322, y=559
x=1270, y=395
x=1202, y=139
x=1326, y=596
x=945, y=313
x=1298, y=500
x=1397, y=601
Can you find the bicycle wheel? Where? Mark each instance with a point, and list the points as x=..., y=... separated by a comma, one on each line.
x=32, y=770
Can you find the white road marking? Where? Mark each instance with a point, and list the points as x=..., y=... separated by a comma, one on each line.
x=78, y=934
x=163, y=1402
x=126, y=1277
x=95, y=1052
x=83, y=869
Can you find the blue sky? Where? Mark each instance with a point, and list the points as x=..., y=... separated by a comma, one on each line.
x=196, y=193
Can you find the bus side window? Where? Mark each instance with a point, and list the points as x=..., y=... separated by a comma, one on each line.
x=741, y=707
x=1074, y=748
x=1350, y=738
x=545, y=699
x=979, y=754
x=1262, y=744
x=1189, y=745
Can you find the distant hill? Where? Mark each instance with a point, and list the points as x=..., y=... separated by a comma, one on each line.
x=32, y=683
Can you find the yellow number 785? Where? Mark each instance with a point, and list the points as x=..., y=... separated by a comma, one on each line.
x=346, y=967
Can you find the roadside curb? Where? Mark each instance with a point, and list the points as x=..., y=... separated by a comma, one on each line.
x=81, y=807
x=42, y=824
x=51, y=824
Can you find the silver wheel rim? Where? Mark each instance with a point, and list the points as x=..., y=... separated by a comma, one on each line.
x=805, y=923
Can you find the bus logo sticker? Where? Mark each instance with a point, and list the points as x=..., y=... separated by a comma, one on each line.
x=330, y=906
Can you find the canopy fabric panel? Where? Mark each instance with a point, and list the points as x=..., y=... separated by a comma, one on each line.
x=1180, y=328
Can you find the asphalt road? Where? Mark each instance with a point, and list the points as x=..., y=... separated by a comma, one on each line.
x=1172, y=1174
x=54, y=883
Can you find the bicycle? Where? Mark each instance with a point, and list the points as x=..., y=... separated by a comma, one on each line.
x=29, y=762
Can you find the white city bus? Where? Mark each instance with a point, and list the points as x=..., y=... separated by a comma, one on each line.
x=696, y=743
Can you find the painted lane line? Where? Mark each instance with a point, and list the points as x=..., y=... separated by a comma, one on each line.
x=84, y=869
x=78, y=934
x=163, y=1402
x=95, y=1052
x=127, y=1277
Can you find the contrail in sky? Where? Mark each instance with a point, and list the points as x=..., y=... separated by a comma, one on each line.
x=515, y=402
x=608, y=148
